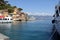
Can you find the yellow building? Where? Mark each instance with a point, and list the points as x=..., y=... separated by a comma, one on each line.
x=15, y=11
x=5, y=13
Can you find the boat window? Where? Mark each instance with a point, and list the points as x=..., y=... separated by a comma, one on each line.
x=0, y=19
x=57, y=14
x=11, y=19
x=55, y=7
x=59, y=8
x=56, y=11
x=4, y=19
x=8, y=19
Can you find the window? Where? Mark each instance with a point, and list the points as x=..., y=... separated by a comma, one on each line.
x=0, y=19
x=59, y=8
x=57, y=14
x=4, y=19
x=55, y=7
x=10, y=19
x=56, y=11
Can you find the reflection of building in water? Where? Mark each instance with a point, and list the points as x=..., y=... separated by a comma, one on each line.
x=5, y=28
x=6, y=25
x=16, y=22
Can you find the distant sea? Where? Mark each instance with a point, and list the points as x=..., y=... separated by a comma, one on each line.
x=42, y=17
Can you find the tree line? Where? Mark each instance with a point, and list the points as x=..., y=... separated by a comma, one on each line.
x=5, y=5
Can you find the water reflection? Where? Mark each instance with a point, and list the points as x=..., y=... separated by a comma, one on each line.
x=5, y=27
x=16, y=22
x=37, y=30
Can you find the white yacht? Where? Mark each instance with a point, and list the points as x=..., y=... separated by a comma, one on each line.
x=5, y=19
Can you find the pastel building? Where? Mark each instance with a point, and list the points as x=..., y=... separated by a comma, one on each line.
x=18, y=15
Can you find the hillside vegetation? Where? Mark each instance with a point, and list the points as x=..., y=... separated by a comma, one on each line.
x=6, y=5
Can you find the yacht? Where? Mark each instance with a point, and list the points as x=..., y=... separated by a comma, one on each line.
x=5, y=19
x=56, y=20
x=57, y=13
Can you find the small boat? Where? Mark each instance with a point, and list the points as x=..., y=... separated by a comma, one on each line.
x=5, y=19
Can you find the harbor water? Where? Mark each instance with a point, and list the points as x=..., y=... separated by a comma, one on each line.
x=30, y=30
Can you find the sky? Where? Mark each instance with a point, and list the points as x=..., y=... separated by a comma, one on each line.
x=35, y=7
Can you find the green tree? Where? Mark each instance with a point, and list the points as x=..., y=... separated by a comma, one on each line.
x=6, y=5
x=20, y=9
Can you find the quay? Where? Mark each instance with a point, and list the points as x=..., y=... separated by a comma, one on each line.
x=3, y=37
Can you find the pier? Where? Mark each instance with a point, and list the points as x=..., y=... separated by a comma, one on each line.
x=3, y=37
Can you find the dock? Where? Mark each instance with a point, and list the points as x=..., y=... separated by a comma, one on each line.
x=3, y=37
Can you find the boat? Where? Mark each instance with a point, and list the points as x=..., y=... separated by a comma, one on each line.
x=56, y=20
x=5, y=19
x=57, y=13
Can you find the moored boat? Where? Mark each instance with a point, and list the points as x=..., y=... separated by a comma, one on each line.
x=5, y=19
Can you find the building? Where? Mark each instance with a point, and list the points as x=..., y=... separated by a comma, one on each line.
x=18, y=15
x=5, y=13
x=23, y=16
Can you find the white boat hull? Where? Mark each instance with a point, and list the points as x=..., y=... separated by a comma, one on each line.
x=5, y=20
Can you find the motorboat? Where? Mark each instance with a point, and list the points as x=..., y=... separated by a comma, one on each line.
x=5, y=19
